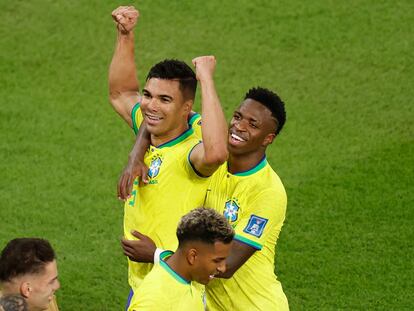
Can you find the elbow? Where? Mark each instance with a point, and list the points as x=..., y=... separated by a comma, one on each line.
x=114, y=97
x=217, y=157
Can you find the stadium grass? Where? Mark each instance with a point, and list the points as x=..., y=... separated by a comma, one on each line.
x=345, y=71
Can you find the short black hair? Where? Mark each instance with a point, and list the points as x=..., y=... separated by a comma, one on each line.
x=24, y=256
x=270, y=100
x=13, y=303
x=205, y=225
x=173, y=69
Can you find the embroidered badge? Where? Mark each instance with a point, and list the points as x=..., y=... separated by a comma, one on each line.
x=255, y=226
x=154, y=167
x=231, y=210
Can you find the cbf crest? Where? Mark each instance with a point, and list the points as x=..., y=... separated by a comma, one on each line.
x=154, y=168
x=231, y=210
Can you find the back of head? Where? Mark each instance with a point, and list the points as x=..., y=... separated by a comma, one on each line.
x=172, y=69
x=13, y=303
x=204, y=225
x=24, y=256
x=270, y=100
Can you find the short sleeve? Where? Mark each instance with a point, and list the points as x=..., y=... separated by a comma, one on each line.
x=136, y=117
x=263, y=215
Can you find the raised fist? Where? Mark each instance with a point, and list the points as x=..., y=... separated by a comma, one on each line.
x=204, y=66
x=126, y=18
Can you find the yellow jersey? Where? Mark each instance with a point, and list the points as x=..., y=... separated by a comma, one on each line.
x=174, y=189
x=254, y=202
x=163, y=289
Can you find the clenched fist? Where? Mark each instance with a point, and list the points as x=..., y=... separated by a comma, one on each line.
x=126, y=18
x=204, y=66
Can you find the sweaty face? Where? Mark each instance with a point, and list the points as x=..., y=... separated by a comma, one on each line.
x=210, y=260
x=42, y=287
x=251, y=128
x=163, y=106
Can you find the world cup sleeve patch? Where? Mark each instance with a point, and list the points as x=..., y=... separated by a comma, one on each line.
x=255, y=226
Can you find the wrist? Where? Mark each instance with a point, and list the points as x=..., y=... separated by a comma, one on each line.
x=157, y=254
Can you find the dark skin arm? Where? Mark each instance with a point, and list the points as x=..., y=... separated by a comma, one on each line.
x=239, y=254
x=136, y=166
x=141, y=250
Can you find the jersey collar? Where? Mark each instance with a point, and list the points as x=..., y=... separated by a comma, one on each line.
x=253, y=170
x=178, y=139
x=163, y=256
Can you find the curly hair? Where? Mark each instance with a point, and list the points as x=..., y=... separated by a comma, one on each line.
x=205, y=225
x=24, y=256
x=173, y=69
x=270, y=100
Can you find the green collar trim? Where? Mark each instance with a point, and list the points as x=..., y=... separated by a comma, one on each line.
x=193, y=118
x=253, y=170
x=178, y=139
x=163, y=256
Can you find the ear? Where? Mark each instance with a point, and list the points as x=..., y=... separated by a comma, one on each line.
x=191, y=256
x=268, y=139
x=25, y=289
x=188, y=106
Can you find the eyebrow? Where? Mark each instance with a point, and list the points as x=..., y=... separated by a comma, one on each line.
x=164, y=96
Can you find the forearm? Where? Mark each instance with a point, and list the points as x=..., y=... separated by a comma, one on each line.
x=214, y=127
x=141, y=145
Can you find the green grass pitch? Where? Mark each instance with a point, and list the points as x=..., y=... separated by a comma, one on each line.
x=346, y=156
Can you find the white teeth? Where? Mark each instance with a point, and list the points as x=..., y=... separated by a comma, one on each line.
x=154, y=118
x=238, y=138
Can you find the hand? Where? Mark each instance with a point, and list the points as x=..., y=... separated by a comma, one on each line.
x=126, y=181
x=204, y=66
x=141, y=250
x=126, y=18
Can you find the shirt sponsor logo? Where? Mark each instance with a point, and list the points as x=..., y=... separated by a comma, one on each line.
x=231, y=210
x=255, y=226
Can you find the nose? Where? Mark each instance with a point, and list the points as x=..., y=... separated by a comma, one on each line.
x=221, y=267
x=57, y=285
x=239, y=125
x=153, y=104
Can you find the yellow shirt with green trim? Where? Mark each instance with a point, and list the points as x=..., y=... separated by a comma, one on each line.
x=254, y=202
x=163, y=289
x=174, y=189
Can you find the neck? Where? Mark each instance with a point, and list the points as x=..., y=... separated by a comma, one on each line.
x=178, y=263
x=244, y=162
x=157, y=140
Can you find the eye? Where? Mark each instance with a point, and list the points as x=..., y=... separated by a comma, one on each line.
x=236, y=117
x=147, y=95
x=253, y=125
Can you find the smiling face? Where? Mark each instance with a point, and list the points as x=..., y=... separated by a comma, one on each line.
x=209, y=260
x=164, y=108
x=251, y=129
x=41, y=287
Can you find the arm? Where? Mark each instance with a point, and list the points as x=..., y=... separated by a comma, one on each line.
x=239, y=254
x=136, y=166
x=209, y=155
x=141, y=250
x=123, y=82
